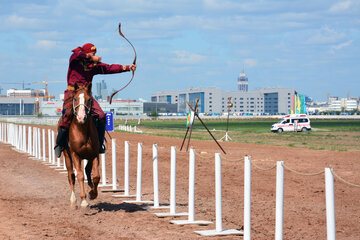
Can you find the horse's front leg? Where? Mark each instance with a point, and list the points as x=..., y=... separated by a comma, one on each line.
x=80, y=177
x=93, y=193
x=71, y=178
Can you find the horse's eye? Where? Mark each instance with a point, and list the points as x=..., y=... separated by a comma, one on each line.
x=75, y=99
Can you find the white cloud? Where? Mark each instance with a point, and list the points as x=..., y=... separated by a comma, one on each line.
x=325, y=35
x=250, y=62
x=185, y=57
x=18, y=22
x=340, y=6
x=45, y=45
x=227, y=5
x=340, y=46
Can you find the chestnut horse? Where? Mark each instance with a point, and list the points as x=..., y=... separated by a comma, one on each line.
x=83, y=143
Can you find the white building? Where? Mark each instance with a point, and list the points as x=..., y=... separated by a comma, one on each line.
x=25, y=93
x=214, y=100
x=343, y=104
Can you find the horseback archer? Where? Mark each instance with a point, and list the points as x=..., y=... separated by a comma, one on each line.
x=83, y=66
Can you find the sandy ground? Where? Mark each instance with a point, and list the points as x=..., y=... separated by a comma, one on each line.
x=34, y=198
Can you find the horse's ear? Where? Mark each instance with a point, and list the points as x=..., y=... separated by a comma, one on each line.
x=89, y=88
x=76, y=86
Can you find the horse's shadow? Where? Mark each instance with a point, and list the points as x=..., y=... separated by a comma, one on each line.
x=110, y=207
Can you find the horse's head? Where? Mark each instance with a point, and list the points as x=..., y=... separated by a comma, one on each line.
x=82, y=102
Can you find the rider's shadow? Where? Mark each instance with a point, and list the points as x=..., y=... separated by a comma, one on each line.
x=110, y=207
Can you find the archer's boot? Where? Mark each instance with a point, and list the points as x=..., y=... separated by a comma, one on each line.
x=101, y=126
x=60, y=141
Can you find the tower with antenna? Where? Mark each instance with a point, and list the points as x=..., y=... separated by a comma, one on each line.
x=242, y=81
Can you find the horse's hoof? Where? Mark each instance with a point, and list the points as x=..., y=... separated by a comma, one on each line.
x=92, y=195
x=84, y=204
x=73, y=207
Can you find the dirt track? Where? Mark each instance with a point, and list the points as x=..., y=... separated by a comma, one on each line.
x=34, y=199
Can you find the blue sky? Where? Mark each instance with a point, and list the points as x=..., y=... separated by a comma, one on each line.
x=312, y=46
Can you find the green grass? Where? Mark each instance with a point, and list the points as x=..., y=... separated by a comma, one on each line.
x=251, y=125
x=334, y=135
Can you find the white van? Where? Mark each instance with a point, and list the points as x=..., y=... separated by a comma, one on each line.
x=292, y=123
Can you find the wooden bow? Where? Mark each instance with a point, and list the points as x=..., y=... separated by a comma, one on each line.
x=134, y=62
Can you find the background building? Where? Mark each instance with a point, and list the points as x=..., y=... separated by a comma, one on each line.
x=214, y=100
x=242, y=82
x=101, y=90
x=25, y=93
x=17, y=106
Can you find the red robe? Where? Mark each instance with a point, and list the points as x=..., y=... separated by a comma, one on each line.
x=81, y=71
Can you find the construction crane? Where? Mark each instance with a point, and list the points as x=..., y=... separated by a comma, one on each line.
x=46, y=97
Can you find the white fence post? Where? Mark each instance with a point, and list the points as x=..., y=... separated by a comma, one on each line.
x=279, y=200
x=114, y=170
x=49, y=144
x=173, y=181
x=247, y=198
x=39, y=143
x=126, y=168
x=330, y=204
x=172, y=188
x=191, y=203
x=29, y=141
x=52, y=147
x=218, y=195
x=139, y=177
x=103, y=170
x=156, y=176
x=126, y=172
x=34, y=142
x=139, y=173
x=44, y=144
x=113, y=151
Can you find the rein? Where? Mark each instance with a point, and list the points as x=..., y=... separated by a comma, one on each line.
x=87, y=108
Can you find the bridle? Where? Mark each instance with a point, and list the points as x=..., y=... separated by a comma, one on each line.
x=87, y=108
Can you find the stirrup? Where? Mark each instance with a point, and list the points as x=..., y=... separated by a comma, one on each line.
x=102, y=149
x=58, y=149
